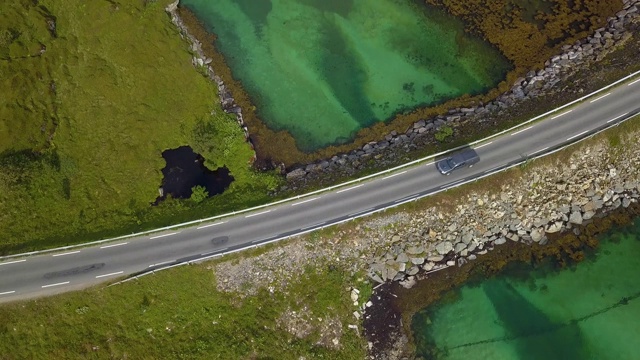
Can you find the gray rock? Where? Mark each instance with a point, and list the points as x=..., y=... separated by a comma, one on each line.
x=415, y=250
x=417, y=260
x=296, y=174
x=501, y=240
x=451, y=263
x=459, y=247
x=554, y=228
x=466, y=238
x=444, y=248
x=402, y=258
x=413, y=270
x=428, y=266
x=435, y=258
x=588, y=215
x=537, y=235
x=575, y=218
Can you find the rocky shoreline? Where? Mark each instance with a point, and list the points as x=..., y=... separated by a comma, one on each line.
x=200, y=60
x=582, y=54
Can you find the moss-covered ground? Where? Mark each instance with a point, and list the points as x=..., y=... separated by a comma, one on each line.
x=92, y=93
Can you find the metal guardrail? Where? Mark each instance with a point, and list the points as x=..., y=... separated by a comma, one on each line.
x=411, y=163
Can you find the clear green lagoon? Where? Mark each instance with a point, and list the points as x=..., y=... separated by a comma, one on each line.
x=590, y=311
x=323, y=69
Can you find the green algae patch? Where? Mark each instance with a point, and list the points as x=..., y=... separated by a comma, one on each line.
x=93, y=92
x=323, y=70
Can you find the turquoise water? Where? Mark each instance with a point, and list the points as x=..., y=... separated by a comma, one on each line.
x=590, y=311
x=323, y=69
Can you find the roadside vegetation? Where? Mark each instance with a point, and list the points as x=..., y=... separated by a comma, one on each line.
x=93, y=92
x=179, y=314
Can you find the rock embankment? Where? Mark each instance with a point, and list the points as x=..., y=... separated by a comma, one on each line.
x=553, y=198
x=201, y=61
x=582, y=54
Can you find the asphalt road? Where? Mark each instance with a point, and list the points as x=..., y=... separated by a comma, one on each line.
x=51, y=273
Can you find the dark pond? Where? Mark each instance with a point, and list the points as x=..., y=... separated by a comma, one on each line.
x=185, y=169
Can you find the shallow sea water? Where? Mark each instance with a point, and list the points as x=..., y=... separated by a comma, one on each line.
x=323, y=69
x=588, y=311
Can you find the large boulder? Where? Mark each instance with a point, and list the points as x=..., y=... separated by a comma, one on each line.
x=444, y=247
x=576, y=218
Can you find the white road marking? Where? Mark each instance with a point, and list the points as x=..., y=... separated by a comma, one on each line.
x=13, y=262
x=312, y=226
x=56, y=284
x=633, y=82
x=575, y=136
x=564, y=113
x=390, y=176
x=114, y=245
x=161, y=236
x=69, y=253
x=7, y=292
x=351, y=188
x=601, y=97
x=260, y=213
x=306, y=201
x=518, y=132
x=105, y=275
x=483, y=145
x=210, y=225
x=539, y=151
x=617, y=117
x=162, y=263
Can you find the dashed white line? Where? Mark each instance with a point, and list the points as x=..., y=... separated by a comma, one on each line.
x=518, y=132
x=306, y=201
x=161, y=236
x=633, y=82
x=56, y=284
x=69, y=253
x=394, y=175
x=539, y=151
x=260, y=213
x=162, y=263
x=483, y=145
x=13, y=262
x=351, y=188
x=575, y=136
x=7, y=292
x=564, y=113
x=617, y=117
x=112, y=274
x=210, y=225
x=114, y=245
x=601, y=97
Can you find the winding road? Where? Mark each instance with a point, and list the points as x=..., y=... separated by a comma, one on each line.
x=47, y=273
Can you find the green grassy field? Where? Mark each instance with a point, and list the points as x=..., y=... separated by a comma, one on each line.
x=93, y=92
x=179, y=314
